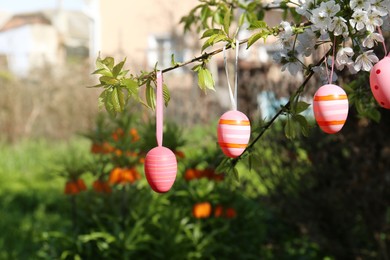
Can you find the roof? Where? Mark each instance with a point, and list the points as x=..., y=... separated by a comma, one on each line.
x=72, y=25
x=19, y=20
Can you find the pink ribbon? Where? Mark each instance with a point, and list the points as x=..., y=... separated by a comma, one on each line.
x=159, y=109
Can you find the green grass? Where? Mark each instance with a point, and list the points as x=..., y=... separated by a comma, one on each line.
x=31, y=199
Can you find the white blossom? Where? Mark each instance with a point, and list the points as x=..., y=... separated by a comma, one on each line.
x=372, y=39
x=321, y=21
x=373, y=21
x=338, y=26
x=343, y=57
x=359, y=19
x=330, y=8
x=365, y=60
x=306, y=42
x=287, y=32
x=359, y=4
x=293, y=67
x=304, y=7
x=380, y=6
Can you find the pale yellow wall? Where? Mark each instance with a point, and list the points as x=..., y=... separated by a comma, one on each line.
x=126, y=25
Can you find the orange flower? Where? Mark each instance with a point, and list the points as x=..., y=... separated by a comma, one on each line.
x=117, y=134
x=190, y=174
x=115, y=175
x=118, y=152
x=201, y=210
x=130, y=176
x=123, y=175
x=180, y=154
x=107, y=148
x=131, y=154
x=142, y=160
x=230, y=213
x=101, y=186
x=218, y=211
x=134, y=135
x=71, y=188
x=81, y=184
x=96, y=148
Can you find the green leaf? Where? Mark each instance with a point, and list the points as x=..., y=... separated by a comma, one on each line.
x=204, y=14
x=117, y=99
x=103, y=72
x=214, y=39
x=254, y=38
x=117, y=69
x=241, y=20
x=210, y=32
x=300, y=107
x=108, y=80
x=223, y=166
x=95, y=86
x=106, y=100
x=374, y=114
x=236, y=174
x=109, y=62
x=289, y=129
x=227, y=21
x=302, y=121
x=102, y=99
x=166, y=95
x=123, y=73
x=205, y=79
x=131, y=86
x=257, y=25
x=150, y=97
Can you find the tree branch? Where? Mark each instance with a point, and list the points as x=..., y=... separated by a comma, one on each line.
x=202, y=57
x=286, y=106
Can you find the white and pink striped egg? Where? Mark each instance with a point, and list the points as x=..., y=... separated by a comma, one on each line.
x=234, y=131
x=330, y=107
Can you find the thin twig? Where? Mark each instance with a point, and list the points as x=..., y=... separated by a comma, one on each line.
x=204, y=56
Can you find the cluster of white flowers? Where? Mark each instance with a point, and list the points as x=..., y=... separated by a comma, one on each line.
x=355, y=23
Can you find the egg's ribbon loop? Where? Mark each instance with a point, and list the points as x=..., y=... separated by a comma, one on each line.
x=159, y=109
x=384, y=44
x=333, y=60
x=233, y=96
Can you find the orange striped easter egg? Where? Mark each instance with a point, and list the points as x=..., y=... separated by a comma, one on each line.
x=330, y=107
x=234, y=131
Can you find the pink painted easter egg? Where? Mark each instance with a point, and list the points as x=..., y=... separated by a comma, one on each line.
x=160, y=169
x=234, y=131
x=330, y=107
x=380, y=82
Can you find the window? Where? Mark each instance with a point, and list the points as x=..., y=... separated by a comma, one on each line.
x=160, y=49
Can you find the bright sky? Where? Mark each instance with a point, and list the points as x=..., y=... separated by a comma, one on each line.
x=16, y=6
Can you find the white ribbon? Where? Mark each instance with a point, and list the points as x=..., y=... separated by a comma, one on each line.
x=233, y=96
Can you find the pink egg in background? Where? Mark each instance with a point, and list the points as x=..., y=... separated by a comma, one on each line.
x=234, y=131
x=380, y=82
x=160, y=169
x=330, y=105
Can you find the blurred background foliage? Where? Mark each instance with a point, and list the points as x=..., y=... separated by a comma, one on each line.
x=321, y=197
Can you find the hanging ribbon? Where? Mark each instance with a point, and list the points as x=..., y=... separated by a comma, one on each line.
x=384, y=44
x=333, y=59
x=233, y=96
x=159, y=109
